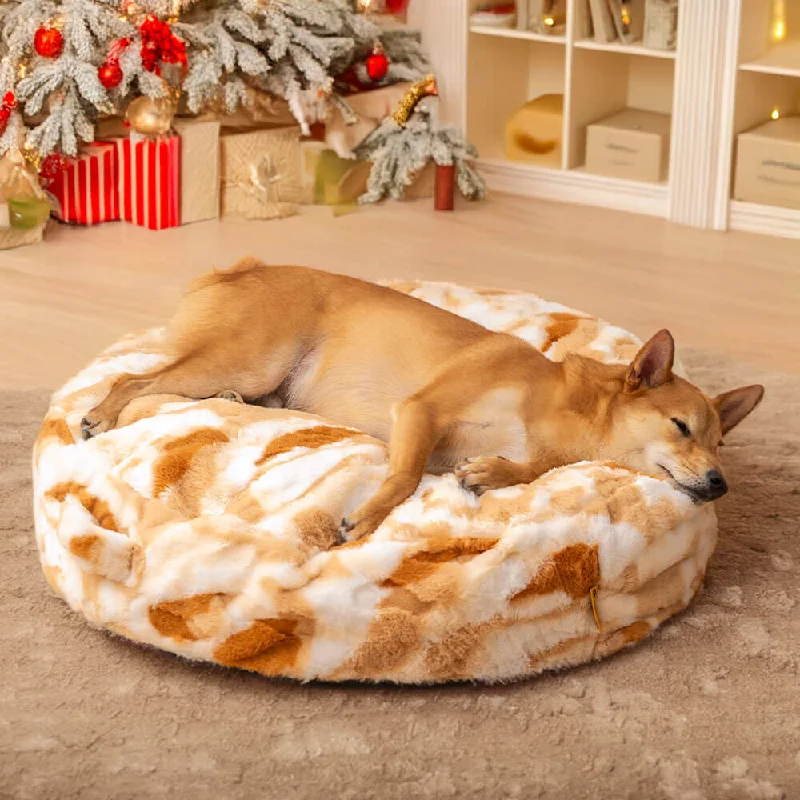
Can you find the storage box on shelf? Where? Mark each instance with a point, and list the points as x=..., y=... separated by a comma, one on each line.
x=768, y=164
x=632, y=144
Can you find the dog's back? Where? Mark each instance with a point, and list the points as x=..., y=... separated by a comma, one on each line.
x=346, y=349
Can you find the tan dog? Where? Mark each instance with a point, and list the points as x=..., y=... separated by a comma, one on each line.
x=444, y=392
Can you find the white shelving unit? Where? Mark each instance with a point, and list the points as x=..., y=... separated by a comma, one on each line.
x=729, y=72
x=767, y=80
x=507, y=67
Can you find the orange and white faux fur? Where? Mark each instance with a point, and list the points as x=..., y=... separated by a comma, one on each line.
x=205, y=528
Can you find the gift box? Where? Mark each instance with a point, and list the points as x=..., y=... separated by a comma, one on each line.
x=85, y=188
x=149, y=181
x=199, y=169
x=328, y=179
x=260, y=172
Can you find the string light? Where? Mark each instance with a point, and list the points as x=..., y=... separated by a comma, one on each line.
x=775, y=113
x=626, y=17
x=778, y=20
x=549, y=21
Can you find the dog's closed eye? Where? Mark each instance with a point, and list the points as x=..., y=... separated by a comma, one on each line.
x=681, y=426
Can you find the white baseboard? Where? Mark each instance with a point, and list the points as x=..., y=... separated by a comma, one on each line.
x=770, y=220
x=576, y=186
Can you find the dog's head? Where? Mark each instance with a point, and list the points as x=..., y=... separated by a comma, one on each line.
x=664, y=425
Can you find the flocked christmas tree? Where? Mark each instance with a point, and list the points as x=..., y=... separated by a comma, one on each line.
x=406, y=141
x=65, y=63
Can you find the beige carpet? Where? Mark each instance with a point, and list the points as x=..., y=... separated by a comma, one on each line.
x=707, y=708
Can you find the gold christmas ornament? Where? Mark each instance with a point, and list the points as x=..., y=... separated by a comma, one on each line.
x=424, y=88
x=150, y=116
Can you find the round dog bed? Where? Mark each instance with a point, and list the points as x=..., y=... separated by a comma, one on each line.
x=207, y=529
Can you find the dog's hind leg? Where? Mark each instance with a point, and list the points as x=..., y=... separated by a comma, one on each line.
x=197, y=376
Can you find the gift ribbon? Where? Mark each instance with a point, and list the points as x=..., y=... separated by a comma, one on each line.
x=263, y=182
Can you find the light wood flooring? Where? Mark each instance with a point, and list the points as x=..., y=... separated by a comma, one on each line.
x=738, y=294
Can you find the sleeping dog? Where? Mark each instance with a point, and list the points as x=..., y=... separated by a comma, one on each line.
x=443, y=391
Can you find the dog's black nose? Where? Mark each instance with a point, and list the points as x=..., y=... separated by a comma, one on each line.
x=716, y=483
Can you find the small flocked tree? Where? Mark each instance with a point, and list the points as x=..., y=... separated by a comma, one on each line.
x=400, y=149
x=70, y=61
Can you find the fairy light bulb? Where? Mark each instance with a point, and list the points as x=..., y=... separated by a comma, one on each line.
x=778, y=20
x=775, y=113
x=549, y=21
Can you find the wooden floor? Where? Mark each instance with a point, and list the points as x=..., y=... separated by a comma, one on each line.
x=739, y=294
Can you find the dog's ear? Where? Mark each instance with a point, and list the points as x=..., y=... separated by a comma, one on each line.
x=653, y=363
x=734, y=406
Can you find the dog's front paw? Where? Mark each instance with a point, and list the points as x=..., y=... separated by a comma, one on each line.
x=97, y=421
x=357, y=525
x=481, y=474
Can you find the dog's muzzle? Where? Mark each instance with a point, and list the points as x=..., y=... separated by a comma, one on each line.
x=717, y=486
x=713, y=488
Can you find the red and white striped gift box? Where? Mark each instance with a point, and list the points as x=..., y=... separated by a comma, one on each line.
x=149, y=181
x=86, y=186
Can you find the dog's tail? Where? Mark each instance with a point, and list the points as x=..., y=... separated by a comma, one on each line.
x=242, y=267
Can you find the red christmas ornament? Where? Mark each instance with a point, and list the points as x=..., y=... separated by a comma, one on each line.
x=48, y=42
x=377, y=63
x=110, y=73
x=396, y=6
x=8, y=105
x=160, y=44
x=50, y=168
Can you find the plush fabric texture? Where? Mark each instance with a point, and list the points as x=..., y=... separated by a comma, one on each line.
x=206, y=529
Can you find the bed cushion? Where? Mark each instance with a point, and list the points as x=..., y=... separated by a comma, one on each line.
x=207, y=529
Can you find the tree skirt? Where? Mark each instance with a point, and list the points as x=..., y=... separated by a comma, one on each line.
x=207, y=529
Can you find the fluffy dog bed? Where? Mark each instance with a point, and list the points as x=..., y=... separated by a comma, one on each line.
x=205, y=528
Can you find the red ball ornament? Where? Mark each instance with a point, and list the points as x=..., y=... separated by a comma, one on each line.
x=50, y=168
x=8, y=105
x=48, y=42
x=110, y=74
x=377, y=63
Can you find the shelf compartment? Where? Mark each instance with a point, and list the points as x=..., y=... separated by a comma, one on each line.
x=758, y=94
x=607, y=81
x=514, y=33
x=782, y=59
x=502, y=75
